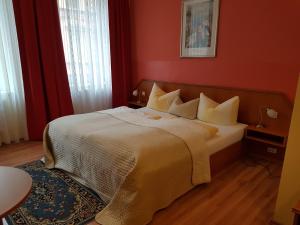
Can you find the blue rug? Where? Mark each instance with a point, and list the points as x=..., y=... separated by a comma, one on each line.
x=55, y=199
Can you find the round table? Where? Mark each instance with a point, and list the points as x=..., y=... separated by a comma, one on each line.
x=15, y=186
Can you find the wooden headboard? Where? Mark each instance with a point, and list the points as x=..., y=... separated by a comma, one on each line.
x=251, y=101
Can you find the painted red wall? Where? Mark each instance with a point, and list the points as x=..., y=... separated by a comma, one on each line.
x=258, y=45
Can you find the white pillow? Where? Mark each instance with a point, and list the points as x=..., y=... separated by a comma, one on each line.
x=222, y=114
x=160, y=100
x=186, y=110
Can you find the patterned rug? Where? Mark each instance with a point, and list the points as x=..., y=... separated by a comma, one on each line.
x=55, y=198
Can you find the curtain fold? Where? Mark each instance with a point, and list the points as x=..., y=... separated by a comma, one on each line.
x=12, y=105
x=119, y=24
x=47, y=92
x=85, y=32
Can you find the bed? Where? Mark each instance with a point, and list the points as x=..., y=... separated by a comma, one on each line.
x=140, y=161
x=176, y=160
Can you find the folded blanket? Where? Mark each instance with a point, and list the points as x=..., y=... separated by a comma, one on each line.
x=137, y=163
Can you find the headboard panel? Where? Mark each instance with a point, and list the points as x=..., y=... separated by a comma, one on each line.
x=251, y=101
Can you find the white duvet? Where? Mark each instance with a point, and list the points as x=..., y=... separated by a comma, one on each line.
x=138, y=162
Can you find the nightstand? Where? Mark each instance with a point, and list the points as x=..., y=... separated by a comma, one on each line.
x=266, y=141
x=136, y=105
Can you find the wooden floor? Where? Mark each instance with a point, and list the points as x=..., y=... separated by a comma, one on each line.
x=243, y=194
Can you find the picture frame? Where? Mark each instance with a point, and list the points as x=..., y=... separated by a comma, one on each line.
x=199, y=27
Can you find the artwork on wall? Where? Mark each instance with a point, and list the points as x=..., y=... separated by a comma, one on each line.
x=199, y=28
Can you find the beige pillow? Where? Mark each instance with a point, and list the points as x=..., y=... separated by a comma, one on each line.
x=222, y=114
x=160, y=100
x=187, y=110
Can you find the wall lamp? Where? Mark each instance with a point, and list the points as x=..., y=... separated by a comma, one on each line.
x=271, y=113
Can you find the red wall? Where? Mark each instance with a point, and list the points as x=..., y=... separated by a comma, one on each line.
x=258, y=45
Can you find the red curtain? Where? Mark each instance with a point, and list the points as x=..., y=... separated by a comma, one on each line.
x=119, y=25
x=47, y=92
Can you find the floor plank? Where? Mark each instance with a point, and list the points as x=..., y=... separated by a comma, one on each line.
x=21, y=153
x=243, y=194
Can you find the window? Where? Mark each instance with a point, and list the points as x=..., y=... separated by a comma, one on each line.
x=85, y=33
x=12, y=104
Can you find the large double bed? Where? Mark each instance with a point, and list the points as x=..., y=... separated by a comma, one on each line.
x=141, y=160
x=138, y=161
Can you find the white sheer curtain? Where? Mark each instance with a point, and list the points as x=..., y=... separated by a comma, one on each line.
x=12, y=106
x=85, y=33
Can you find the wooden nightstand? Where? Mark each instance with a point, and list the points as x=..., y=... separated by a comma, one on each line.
x=136, y=105
x=266, y=141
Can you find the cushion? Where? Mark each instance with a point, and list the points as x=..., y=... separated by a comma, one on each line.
x=222, y=114
x=187, y=110
x=160, y=100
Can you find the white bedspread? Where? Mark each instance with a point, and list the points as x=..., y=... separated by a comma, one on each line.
x=130, y=158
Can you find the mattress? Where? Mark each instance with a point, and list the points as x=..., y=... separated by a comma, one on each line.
x=226, y=136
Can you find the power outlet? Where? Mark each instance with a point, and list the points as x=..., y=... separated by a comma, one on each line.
x=272, y=150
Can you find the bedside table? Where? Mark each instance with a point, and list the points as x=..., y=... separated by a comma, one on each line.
x=136, y=105
x=266, y=141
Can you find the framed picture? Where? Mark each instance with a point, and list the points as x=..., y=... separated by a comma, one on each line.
x=199, y=28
